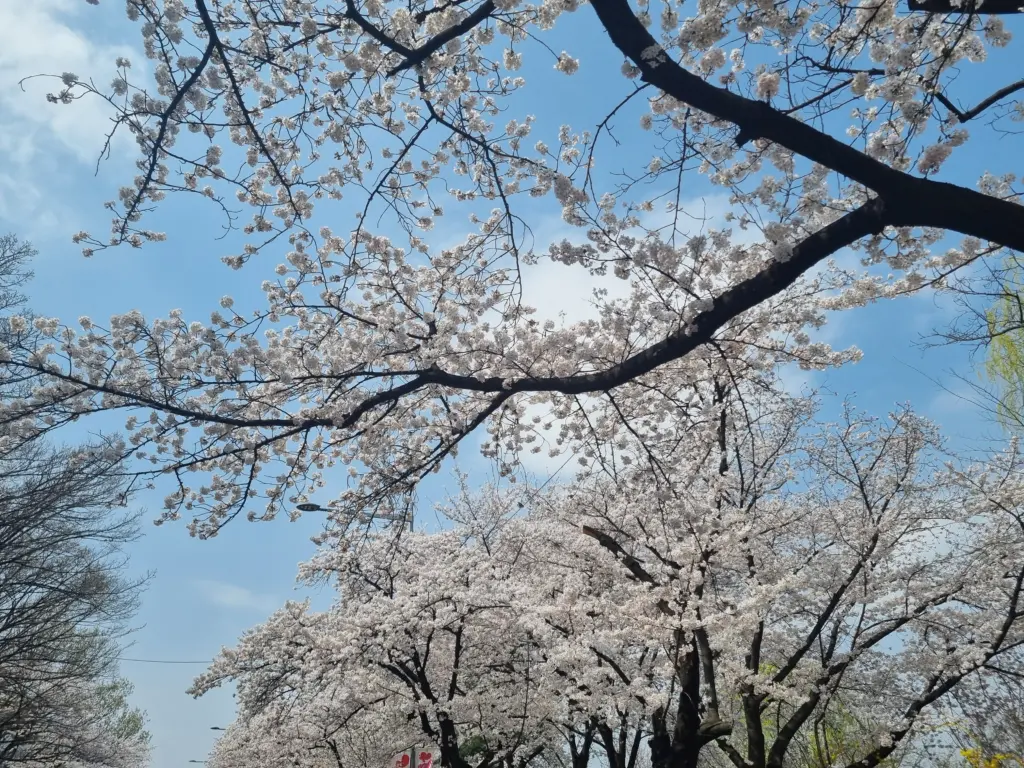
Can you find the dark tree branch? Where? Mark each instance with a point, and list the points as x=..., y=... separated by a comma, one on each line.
x=236, y=89
x=634, y=566
x=153, y=161
x=969, y=114
x=388, y=42
x=416, y=57
x=912, y=201
x=982, y=6
x=733, y=754
x=868, y=219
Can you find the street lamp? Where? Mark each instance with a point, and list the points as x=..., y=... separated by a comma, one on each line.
x=365, y=518
x=362, y=517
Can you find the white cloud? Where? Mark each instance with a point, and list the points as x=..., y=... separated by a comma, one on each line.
x=50, y=37
x=49, y=148
x=233, y=596
x=22, y=201
x=565, y=294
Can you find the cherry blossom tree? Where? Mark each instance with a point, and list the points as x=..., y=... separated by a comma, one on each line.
x=790, y=575
x=829, y=127
x=723, y=573
x=426, y=647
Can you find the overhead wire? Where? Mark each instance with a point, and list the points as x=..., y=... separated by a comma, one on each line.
x=534, y=492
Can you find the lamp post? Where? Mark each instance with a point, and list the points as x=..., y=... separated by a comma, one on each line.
x=363, y=518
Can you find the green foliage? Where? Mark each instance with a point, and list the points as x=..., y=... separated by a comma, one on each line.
x=976, y=758
x=1005, y=363
x=835, y=737
x=472, y=747
x=838, y=739
x=124, y=721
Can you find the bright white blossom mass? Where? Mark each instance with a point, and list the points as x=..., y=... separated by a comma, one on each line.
x=778, y=566
x=725, y=572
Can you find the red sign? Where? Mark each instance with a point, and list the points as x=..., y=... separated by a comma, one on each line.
x=426, y=760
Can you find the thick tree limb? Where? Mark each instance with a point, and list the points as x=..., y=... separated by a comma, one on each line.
x=869, y=219
x=733, y=754
x=634, y=566
x=777, y=754
x=983, y=6
x=714, y=728
x=913, y=201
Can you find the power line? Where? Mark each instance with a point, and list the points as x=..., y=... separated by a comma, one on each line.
x=536, y=491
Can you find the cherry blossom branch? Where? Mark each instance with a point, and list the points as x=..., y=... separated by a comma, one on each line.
x=236, y=89
x=132, y=211
x=913, y=201
x=416, y=57
x=413, y=57
x=868, y=219
x=388, y=42
x=969, y=114
x=825, y=615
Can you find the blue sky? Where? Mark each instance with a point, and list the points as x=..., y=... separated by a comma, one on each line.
x=204, y=594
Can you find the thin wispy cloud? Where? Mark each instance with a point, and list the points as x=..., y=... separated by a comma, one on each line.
x=43, y=144
x=35, y=38
x=227, y=595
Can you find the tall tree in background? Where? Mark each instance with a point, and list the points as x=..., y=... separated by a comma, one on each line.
x=1004, y=334
x=15, y=257
x=64, y=606
x=65, y=601
x=780, y=591
x=991, y=319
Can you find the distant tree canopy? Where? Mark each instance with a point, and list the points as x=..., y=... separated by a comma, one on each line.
x=65, y=601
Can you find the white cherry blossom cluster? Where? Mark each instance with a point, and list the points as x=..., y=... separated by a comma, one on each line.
x=778, y=561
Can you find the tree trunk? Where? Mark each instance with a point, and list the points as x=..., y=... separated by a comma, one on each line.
x=581, y=759
x=673, y=751
x=675, y=757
